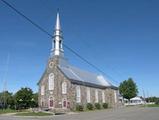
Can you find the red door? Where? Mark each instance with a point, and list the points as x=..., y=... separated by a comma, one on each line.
x=51, y=103
x=65, y=103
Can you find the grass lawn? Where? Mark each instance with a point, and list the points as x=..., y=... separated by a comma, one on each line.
x=33, y=114
x=152, y=105
x=4, y=111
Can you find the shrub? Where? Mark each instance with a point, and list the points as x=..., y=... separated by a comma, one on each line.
x=79, y=107
x=89, y=106
x=97, y=106
x=105, y=105
x=157, y=102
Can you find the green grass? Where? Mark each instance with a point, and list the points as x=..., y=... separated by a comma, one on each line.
x=4, y=111
x=152, y=105
x=33, y=114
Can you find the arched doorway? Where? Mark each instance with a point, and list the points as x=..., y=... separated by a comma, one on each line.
x=64, y=103
x=51, y=102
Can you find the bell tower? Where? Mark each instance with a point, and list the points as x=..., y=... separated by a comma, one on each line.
x=57, y=48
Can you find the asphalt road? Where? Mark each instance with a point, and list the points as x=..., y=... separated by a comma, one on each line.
x=129, y=113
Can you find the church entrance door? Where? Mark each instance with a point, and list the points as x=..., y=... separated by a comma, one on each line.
x=51, y=102
x=64, y=103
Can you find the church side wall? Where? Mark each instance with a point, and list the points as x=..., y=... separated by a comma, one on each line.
x=70, y=97
x=109, y=96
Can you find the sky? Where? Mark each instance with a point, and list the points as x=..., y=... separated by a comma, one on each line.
x=119, y=37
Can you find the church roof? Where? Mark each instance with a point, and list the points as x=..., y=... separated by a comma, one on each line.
x=83, y=77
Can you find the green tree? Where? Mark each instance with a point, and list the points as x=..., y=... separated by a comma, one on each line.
x=24, y=98
x=128, y=89
x=7, y=100
x=152, y=99
x=35, y=100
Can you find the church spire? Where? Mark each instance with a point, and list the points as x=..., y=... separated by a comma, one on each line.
x=57, y=49
x=57, y=25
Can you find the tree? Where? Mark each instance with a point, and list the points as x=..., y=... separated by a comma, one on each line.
x=24, y=98
x=6, y=100
x=152, y=99
x=128, y=89
x=35, y=100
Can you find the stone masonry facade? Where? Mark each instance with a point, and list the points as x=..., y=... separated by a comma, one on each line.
x=69, y=99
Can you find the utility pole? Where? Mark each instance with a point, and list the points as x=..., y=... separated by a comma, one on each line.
x=5, y=82
x=4, y=93
x=148, y=96
x=144, y=96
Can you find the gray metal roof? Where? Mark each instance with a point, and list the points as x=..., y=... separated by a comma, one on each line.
x=82, y=76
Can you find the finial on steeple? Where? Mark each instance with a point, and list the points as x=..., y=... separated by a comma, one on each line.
x=57, y=49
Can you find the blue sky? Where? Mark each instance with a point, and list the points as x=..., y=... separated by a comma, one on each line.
x=120, y=37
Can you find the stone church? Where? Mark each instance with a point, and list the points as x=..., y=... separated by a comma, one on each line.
x=63, y=86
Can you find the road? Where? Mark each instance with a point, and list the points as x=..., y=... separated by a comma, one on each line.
x=129, y=113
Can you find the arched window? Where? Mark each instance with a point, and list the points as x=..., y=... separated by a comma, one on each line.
x=64, y=103
x=68, y=104
x=78, y=94
x=64, y=88
x=42, y=90
x=51, y=81
x=115, y=96
x=88, y=95
x=51, y=102
x=42, y=103
x=96, y=96
x=103, y=96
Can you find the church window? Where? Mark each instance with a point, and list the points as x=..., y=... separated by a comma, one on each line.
x=64, y=103
x=115, y=96
x=64, y=88
x=78, y=94
x=42, y=90
x=51, y=102
x=103, y=96
x=51, y=81
x=68, y=104
x=60, y=44
x=88, y=95
x=54, y=44
x=42, y=104
x=96, y=96
x=51, y=64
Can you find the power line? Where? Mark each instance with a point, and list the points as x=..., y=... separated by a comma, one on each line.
x=25, y=17
x=46, y=32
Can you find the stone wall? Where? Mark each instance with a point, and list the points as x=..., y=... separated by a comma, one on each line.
x=109, y=96
x=57, y=92
x=70, y=97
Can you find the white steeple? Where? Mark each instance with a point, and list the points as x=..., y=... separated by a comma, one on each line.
x=57, y=49
x=57, y=26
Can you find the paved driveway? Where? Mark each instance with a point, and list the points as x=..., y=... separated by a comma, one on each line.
x=129, y=113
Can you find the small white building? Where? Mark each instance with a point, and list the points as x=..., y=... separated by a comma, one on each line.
x=134, y=101
x=137, y=101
